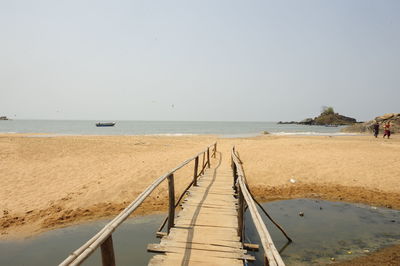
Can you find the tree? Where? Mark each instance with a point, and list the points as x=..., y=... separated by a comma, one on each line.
x=327, y=110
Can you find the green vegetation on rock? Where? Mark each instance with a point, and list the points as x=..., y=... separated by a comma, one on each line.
x=327, y=110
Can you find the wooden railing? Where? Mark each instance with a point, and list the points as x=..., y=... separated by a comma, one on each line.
x=271, y=254
x=103, y=238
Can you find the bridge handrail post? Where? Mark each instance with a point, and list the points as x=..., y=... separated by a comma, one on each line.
x=208, y=158
x=240, y=214
x=266, y=262
x=107, y=252
x=171, y=197
x=234, y=170
x=203, y=163
x=196, y=167
x=271, y=255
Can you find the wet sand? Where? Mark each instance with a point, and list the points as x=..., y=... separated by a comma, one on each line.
x=49, y=182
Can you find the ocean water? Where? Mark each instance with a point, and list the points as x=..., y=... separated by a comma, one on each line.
x=223, y=128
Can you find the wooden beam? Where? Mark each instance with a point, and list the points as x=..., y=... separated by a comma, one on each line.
x=215, y=150
x=208, y=158
x=234, y=254
x=107, y=252
x=241, y=215
x=251, y=247
x=203, y=163
x=161, y=234
x=171, y=196
x=196, y=167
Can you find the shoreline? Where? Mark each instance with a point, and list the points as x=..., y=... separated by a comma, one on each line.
x=78, y=216
x=69, y=217
x=165, y=128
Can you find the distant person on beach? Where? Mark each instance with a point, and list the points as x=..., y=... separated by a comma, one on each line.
x=376, y=129
x=386, y=131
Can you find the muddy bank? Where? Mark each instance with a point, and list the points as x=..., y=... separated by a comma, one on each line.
x=385, y=256
x=328, y=192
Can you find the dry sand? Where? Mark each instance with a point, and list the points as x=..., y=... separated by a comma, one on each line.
x=48, y=182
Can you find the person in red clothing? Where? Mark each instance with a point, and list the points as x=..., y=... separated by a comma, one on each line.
x=386, y=131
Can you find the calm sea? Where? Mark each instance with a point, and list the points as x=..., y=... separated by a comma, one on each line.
x=226, y=129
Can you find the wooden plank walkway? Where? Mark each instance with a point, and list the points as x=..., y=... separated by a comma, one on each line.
x=206, y=229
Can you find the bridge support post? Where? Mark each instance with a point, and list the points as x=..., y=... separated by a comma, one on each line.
x=107, y=252
x=171, y=192
x=196, y=167
x=241, y=214
x=266, y=262
x=203, y=163
x=234, y=169
x=208, y=157
x=215, y=150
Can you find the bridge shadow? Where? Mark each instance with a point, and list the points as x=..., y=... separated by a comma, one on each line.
x=188, y=249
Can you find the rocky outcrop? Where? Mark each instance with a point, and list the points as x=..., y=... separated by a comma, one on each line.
x=325, y=119
x=393, y=118
x=287, y=123
x=333, y=119
x=307, y=121
x=3, y=118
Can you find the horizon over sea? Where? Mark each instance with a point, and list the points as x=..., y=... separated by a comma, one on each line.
x=169, y=128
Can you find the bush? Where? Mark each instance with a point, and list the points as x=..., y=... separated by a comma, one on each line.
x=327, y=110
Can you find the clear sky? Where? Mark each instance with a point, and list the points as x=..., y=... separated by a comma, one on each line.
x=198, y=60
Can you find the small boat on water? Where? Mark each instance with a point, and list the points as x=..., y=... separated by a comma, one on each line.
x=105, y=124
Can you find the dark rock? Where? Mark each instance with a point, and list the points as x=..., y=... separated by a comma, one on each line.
x=333, y=119
x=393, y=118
x=287, y=123
x=307, y=121
x=326, y=118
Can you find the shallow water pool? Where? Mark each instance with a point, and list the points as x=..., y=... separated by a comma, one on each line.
x=50, y=248
x=327, y=230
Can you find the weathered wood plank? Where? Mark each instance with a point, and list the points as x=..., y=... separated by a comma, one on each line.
x=194, y=245
x=177, y=259
x=199, y=252
x=107, y=252
x=250, y=246
x=224, y=243
x=205, y=231
x=171, y=197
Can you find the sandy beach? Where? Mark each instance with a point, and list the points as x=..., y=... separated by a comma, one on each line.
x=49, y=182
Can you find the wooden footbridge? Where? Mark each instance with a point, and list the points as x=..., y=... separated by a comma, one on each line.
x=208, y=229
